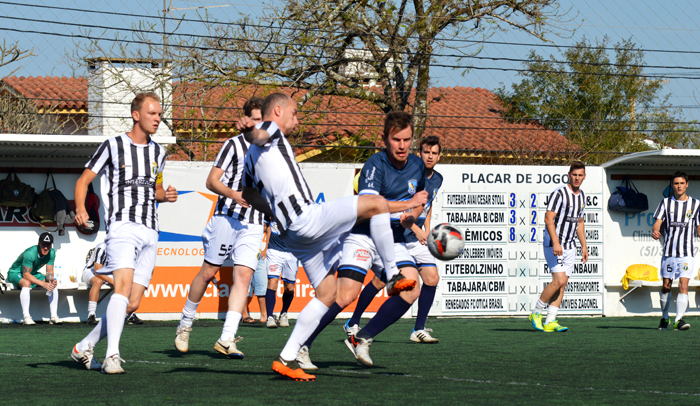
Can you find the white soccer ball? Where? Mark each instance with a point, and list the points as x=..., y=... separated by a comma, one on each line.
x=445, y=242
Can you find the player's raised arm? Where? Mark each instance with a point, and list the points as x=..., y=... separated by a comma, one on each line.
x=253, y=135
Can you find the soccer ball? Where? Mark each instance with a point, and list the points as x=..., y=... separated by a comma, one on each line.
x=445, y=242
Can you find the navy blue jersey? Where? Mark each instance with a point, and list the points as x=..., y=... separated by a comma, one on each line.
x=380, y=177
x=432, y=185
x=276, y=242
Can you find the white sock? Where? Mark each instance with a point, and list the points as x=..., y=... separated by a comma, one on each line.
x=308, y=320
x=116, y=309
x=96, y=335
x=92, y=308
x=188, y=313
x=551, y=314
x=681, y=305
x=380, y=230
x=663, y=298
x=24, y=301
x=231, y=325
x=53, y=303
x=539, y=306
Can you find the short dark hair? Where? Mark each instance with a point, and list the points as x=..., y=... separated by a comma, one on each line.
x=254, y=103
x=137, y=103
x=430, y=141
x=272, y=101
x=679, y=174
x=577, y=165
x=397, y=121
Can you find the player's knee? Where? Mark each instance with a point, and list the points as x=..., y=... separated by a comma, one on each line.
x=430, y=277
x=23, y=283
x=272, y=283
x=412, y=295
x=289, y=287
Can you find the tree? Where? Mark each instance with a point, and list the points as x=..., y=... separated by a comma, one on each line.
x=320, y=46
x=598, y=104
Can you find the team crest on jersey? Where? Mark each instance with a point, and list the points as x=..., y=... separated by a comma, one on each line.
x=434, y=194
x=685, y=267
x=412, y=186
x=154, y=168
x=689, y=213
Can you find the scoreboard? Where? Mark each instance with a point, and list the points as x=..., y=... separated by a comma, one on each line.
x=500, y=211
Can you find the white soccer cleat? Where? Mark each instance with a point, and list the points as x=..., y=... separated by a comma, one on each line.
x=113, y=365
x=182, y=338
x=351, y=330
x=55, y=320
x=423, y=336
x=360, y=349
x=271, y=323
x=28, y=321
x=304, y=360
x=284, y=320
x=228, y=347
x=86, y=357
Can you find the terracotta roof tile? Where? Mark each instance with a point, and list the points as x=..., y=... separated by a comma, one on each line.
x=464, y=118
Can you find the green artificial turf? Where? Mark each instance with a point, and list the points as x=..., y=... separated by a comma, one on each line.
x=478, y=361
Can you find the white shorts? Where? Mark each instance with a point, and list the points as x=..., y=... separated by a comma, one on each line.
x=315, y=237
x=421, y=254
x=87, y=275
x=225, y=237
x=560, y=263
x=360, y=255
x=133, y=246
x=676, y=267
x=282, y=264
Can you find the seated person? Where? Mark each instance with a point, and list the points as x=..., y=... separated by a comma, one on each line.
x=24, y=274
x=97, y=258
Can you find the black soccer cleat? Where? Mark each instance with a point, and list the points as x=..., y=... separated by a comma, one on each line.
x=91, y=320
x=663, y=325
x=133, y=319
x=681, y=325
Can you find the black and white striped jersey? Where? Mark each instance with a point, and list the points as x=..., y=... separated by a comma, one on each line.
x=273, y=170
x=568, y=207
x=231, y=159
x=682, y=217
x=129, y=176
x=98, y=255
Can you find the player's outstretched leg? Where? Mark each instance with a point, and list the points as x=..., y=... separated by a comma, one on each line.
x=197, y=288
x=420, y=334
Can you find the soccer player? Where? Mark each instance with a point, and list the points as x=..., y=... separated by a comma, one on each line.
x=313, y=232
x=563, y=221
x=234, y=231
x=132, y=167
x=97, y=258
x=678, y=214
x=416, y=240
x=281, y=264
x=399, y=177
x=24, y=274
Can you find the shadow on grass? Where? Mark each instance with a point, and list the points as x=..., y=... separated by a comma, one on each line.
x=527, y=329
x=336, y=365
x=247, y=372
x=628, y=327
x=63, y=364
x=172, y=353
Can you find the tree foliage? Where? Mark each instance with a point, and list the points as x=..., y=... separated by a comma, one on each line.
x=600, y=102
x=317, y=46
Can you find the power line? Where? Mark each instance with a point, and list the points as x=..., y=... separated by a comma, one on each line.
x=163, y=18
x=405, y=53
x=204, y=48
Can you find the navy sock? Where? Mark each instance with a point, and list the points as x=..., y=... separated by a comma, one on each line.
x=327, y=318
x=366, y=297
x=425, y=302
x=287, y=298
x=391, y=310
x=270, y=298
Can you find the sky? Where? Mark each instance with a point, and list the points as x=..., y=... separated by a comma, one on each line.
x=665, y=30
